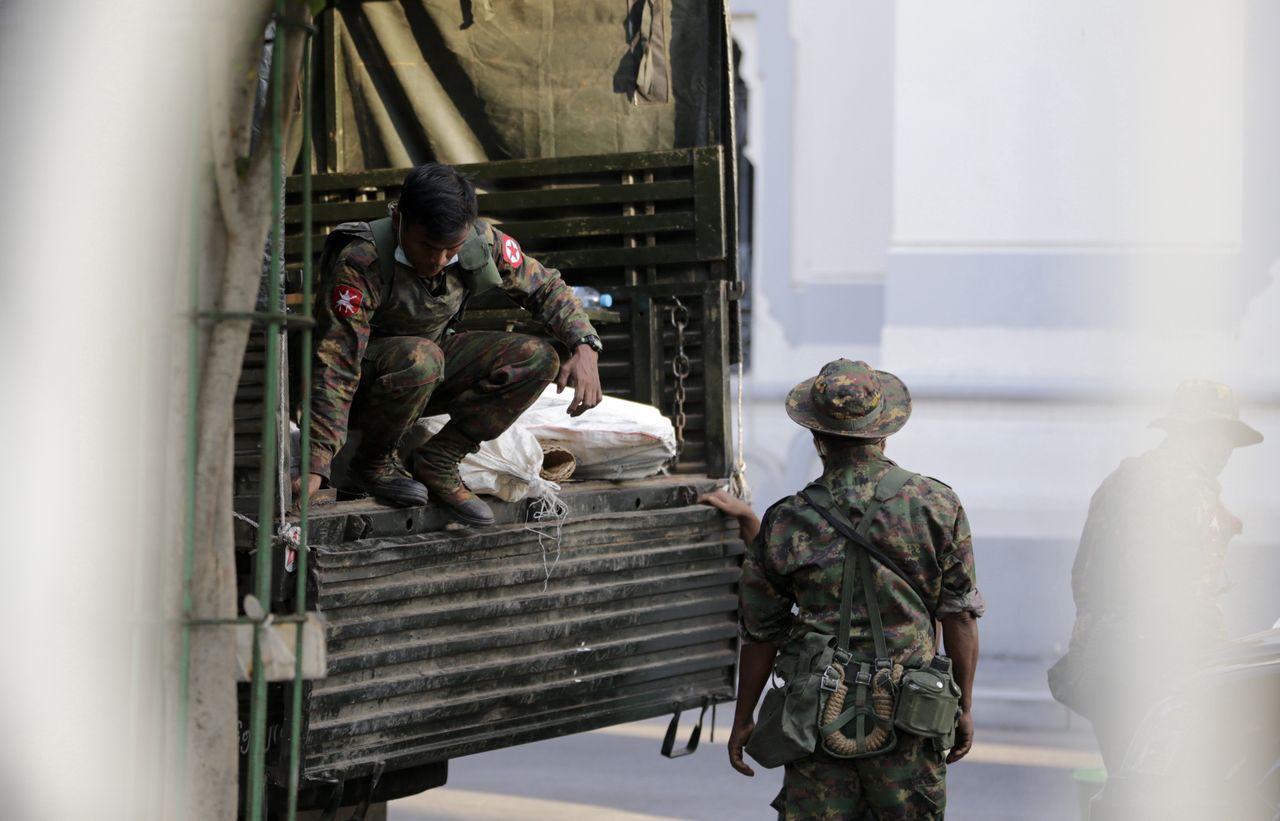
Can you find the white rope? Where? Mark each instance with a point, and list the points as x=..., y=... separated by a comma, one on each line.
x=547, y=507
x=738, y=480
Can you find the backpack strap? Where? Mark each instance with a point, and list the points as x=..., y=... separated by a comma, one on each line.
x=818, y=496
x=479, y=272
x=384, y=241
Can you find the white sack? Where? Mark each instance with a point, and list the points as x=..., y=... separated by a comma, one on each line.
x=506, y=467
x=616, y=439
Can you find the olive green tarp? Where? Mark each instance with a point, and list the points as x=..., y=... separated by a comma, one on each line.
x=462, y=81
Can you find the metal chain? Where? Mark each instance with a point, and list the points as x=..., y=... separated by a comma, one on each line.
x=681, y=367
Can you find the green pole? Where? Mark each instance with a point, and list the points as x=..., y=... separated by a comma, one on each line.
x=189, y=504
x=304, y=449
x=270, y=418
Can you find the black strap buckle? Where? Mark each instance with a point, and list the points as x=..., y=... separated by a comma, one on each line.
x=669, y=740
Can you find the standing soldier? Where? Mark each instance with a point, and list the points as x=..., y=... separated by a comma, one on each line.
x=797, y=559
x=1149, y=569
x=387, y=351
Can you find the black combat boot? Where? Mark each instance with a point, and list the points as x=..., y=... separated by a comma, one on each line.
x=435, y=465
x=384, y=477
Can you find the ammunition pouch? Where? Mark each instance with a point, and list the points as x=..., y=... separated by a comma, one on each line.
x=787, y=726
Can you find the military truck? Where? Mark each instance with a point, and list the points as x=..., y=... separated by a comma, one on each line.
x=602, y=138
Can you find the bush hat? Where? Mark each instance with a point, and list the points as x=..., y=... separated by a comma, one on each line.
x=1200, y=403
x=851, y=399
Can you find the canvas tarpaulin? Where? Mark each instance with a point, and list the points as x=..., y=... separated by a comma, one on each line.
x=464, y=81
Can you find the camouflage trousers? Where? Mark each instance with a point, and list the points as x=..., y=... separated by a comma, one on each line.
x=484, y=380
x=907, y=783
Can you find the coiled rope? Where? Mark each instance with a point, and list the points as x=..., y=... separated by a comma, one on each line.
x=884, y=684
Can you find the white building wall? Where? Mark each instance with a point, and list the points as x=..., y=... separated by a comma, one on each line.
x=1059, y=210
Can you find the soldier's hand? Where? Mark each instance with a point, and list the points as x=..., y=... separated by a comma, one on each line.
x=730, y=505
x=581, y=372
x=964, y=739
x=737, y=740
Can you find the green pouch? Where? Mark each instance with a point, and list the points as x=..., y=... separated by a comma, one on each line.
x=929, y=702
x=787, y=726
x=479, y=274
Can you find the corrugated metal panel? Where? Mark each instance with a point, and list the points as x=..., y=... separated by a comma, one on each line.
x=449, y=643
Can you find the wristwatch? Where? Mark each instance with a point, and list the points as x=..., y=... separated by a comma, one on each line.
x=592, y=341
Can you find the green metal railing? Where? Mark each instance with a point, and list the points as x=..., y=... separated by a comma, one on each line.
x=276, y=318
x=304, y=468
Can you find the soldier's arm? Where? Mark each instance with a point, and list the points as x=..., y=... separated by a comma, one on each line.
x=960, y=640
x=960, y=592
x=540, y=290
x=765, y=621
x=959, y=607
x=753, y=673
x=730, y=505
x=345, y=302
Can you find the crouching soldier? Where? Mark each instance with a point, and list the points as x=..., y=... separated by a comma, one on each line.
x=387, y=351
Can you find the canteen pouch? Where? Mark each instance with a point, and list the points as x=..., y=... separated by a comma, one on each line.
x=787, y=727
x=929, y=702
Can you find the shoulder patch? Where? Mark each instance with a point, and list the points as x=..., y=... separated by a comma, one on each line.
x=511, y=252
x=347, y=300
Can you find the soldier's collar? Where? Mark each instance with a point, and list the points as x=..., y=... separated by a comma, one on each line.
x=453, y=260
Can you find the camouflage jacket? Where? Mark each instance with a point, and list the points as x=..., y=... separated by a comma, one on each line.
x=1150, y=566
x=350, y=293
x=799, y=559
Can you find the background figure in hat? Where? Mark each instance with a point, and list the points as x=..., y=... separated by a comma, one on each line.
x=795, y=558
x=1150, y=568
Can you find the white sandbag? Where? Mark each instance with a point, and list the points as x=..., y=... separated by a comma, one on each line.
x=506, y=467
x=616, y=439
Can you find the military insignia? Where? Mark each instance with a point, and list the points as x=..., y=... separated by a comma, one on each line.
x=511, y=252
x=346, y=300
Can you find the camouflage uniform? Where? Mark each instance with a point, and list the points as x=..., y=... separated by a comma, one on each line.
x=1150, y=568
x=798, y=559
x=385, y=353
x=1146, y=581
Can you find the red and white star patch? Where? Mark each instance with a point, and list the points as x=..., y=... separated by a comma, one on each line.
x=511, y=252
x=346, y=300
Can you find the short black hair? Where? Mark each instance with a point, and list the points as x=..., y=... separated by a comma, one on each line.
x=438, y=198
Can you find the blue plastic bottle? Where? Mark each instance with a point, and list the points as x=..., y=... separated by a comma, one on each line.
x=591, y=298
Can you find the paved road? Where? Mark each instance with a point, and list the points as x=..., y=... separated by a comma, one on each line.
x=616, y=774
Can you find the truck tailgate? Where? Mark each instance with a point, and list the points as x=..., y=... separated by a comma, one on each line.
x=450, y=642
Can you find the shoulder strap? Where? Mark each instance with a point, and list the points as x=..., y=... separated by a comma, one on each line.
x=479, y=273
x=819, y=498
x=384, y=241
